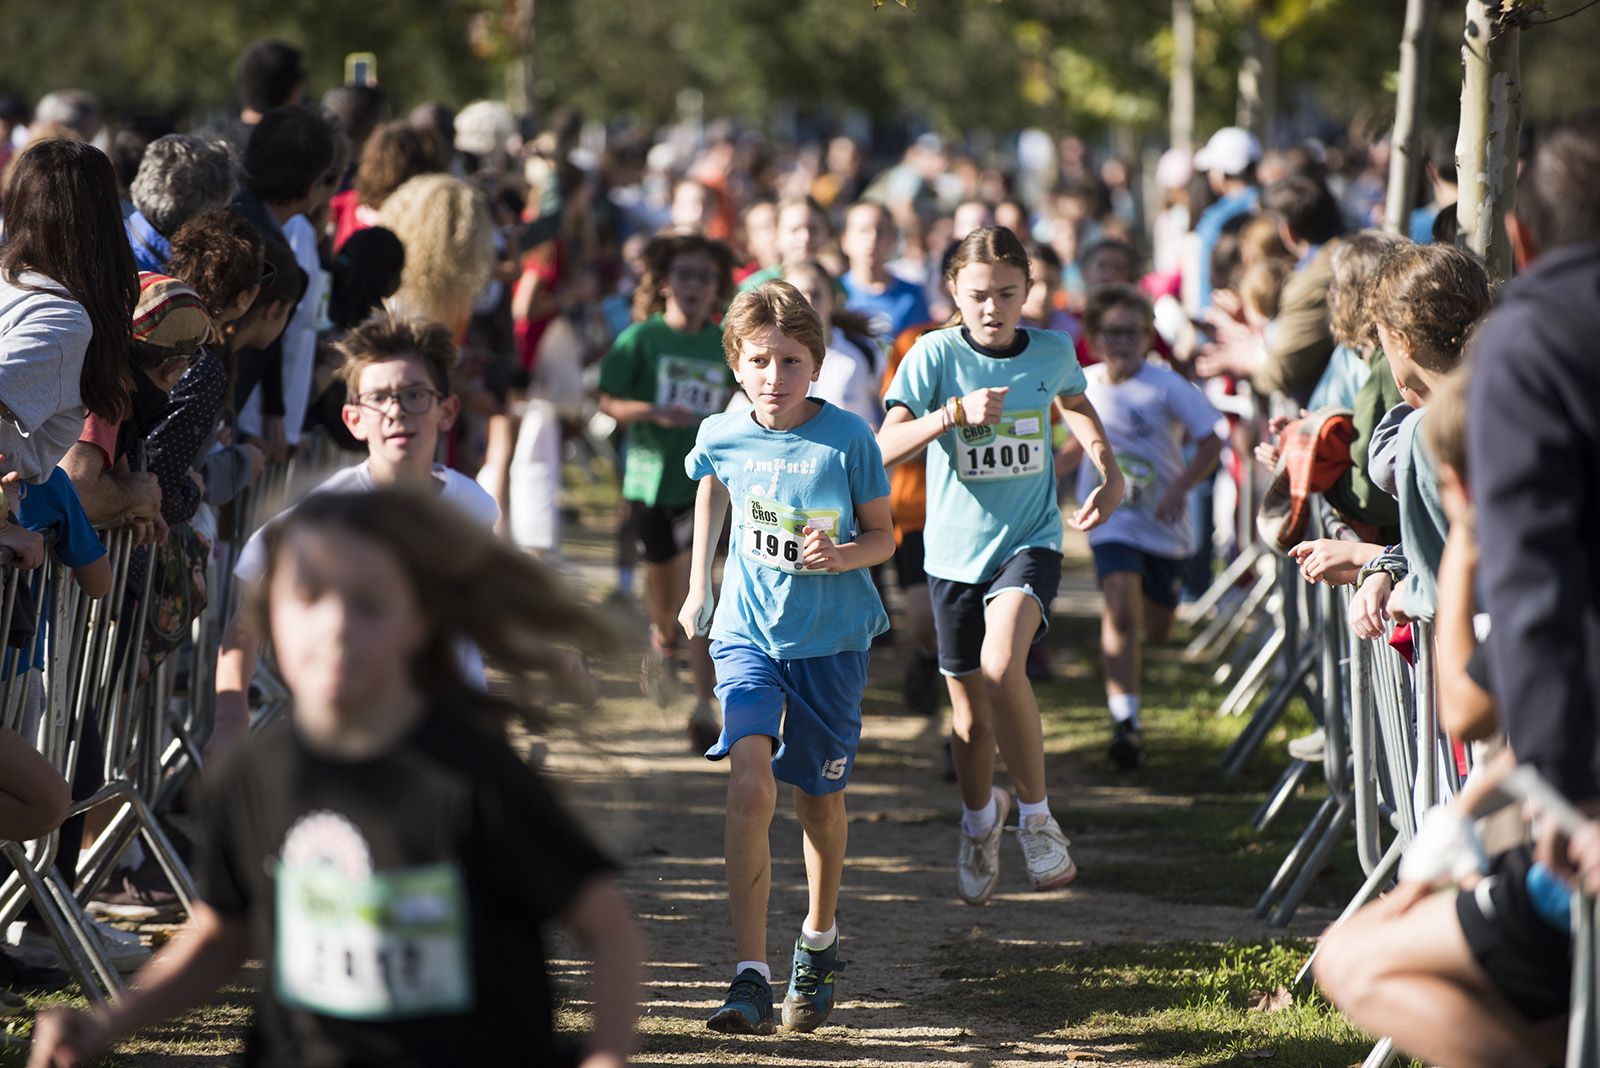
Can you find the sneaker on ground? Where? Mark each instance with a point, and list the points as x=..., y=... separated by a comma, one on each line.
x=748, y=1007
x=138, y=896
x=658, y=675
x=810, y=997
x=978, y=862
x=1044, y=848
x=125, y=951
x=705, y=727
x=1127, y=746
x=1309, y=747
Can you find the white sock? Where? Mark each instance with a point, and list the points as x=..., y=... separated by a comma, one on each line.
x=758, y=965
x=1031, y=808
x=1125, y=708
x=133, y=856
x=818, y=940
x=977, y=822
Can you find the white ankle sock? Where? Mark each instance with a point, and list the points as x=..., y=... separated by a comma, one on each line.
x=818, y=940
x=1031, y=808
x=977, y=822
x=758, y=965
x=1125, y=708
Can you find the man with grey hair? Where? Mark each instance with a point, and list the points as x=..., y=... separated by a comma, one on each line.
x=179, y=177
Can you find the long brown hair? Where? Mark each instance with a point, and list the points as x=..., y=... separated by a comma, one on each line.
x=480, y=589
x=64, y=221
x=987, y=244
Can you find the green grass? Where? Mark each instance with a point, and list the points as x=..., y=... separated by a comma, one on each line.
x=1187, y=1004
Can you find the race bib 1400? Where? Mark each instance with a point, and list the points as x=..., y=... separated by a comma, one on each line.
x=1015, y=447
x=697, y=385
x=373, y=946
x=774, y=534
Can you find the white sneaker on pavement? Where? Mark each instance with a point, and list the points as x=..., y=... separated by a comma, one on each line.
x=978, y=862
x=1044, y=848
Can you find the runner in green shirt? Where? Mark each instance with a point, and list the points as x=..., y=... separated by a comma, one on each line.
x=662, y=376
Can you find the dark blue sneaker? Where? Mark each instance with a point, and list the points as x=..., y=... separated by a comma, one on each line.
x=810, y=997
x=748, y=1010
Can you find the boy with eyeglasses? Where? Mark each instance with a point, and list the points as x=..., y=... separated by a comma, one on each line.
x=1140, y=552
x=397, y=373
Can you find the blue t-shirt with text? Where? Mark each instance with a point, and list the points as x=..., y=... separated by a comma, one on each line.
x=779, y=481
x=991, y=489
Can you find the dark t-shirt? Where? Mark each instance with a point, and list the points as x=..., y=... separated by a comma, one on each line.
x=396, y=902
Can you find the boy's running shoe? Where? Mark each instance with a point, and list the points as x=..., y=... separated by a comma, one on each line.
x=978, y=863
x=1127, y=746
x=658, y=675
x=810, y=996
x=748, y=1008
x=705, y=727
x=1044, y=848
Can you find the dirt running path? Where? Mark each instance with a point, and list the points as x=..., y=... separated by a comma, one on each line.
x=904, y=930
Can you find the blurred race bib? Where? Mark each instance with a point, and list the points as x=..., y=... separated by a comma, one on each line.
x=694, y=384
x=373, y=945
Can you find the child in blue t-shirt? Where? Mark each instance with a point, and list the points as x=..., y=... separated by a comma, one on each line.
x=53, y=505
x=811, y=513
x=980, y=398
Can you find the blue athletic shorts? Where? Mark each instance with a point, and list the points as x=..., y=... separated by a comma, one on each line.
x=1162, y=576
x=810, y=708
x=958, y=607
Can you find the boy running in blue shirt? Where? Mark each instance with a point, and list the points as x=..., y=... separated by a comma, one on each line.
x=799, y=612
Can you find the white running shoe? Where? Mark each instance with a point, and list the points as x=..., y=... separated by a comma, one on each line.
x=978, y=863
x=1044, y=847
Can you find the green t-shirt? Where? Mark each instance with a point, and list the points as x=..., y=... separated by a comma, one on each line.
x=652, y=362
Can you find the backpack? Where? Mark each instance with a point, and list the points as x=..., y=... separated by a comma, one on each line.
x=1313, y=453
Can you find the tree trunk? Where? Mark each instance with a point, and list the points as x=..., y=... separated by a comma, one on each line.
x=524, y=69
x=1404, y=159
x=1181, y=120
x=1250, y=112
x=1491, y=121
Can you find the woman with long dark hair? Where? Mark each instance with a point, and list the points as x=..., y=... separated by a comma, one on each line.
x=67, y=293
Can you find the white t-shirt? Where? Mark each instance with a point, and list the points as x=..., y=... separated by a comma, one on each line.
x=43, y=339
x=458, y=490
x=1146, y=419
x=849, y=380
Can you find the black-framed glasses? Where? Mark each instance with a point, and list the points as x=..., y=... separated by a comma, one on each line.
x=413, y=400
x=269, y=274
x=1122, y=333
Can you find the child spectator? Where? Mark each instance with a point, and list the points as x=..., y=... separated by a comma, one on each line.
x=1140, y=552
x=398, y=375
x=387, y=855
x=1425, y=300
x=812, y=516
x=980, y=397
x=663, y=376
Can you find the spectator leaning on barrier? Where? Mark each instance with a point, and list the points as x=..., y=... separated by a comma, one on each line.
x=67, y=292
x=179, y=177
x=1534, y=449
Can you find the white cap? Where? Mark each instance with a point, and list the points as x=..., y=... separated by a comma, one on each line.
x=1174, y=170
x=1231, y=150
x=483, y=127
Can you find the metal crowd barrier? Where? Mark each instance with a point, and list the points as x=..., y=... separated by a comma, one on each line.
x=153, y=722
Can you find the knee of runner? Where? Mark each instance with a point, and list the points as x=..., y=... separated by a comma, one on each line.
x=1000, y=668
x=752, y=789
x=1345, y=966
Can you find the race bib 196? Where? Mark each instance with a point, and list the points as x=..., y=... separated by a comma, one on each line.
x=698, y=385
x=774, y=534
x=1013, y=448
x=373, y=946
